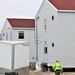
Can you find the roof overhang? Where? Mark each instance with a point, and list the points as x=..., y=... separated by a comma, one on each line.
x=61, y=11
x=66, y=11
x=20, y=28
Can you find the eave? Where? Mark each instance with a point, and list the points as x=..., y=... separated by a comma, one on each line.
x=66, y=11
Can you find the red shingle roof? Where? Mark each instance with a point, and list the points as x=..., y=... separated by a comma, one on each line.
x=26, y=23
x=63, y=4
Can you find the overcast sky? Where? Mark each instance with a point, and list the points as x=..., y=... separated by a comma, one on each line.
x=18, y=9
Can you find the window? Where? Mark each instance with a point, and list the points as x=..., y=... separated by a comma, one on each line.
x=33, y=58
x=21, y=34
x=45, y=25
x=53, y=44
x=45, y=49
x=52, y=17
x=3, y=34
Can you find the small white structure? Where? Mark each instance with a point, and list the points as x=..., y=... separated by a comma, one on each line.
x=17, y=29
x=14, y=57
x=55, y=27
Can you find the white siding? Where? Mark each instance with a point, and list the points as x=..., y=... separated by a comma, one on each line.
x=46, y=37
x=6, y=32
x=61, y=31
x=12, y=34
x=66, y=38
x=28, y=36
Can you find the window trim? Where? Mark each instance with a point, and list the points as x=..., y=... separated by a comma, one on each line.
x=19, y=36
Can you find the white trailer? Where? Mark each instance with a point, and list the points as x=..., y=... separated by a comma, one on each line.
x=14, y=57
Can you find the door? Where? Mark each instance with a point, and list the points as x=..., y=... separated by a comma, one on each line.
x=45, y=57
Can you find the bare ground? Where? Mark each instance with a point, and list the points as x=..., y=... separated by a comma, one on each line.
x=33, y=72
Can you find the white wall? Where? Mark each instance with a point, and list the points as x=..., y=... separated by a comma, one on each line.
x=66, y=38
x=61, y=31
x=28, y=36
x=5, y=56
x=6, y=31
x=46, y=12
x=21, y=56
x=12, y=34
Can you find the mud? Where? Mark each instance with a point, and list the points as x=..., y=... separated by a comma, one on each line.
x=34, y=72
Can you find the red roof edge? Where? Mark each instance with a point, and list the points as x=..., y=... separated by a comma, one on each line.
x=17, y=22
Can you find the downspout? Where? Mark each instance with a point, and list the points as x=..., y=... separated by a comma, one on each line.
x=36, y=38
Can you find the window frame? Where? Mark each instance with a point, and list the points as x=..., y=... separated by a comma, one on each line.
x=21, y=35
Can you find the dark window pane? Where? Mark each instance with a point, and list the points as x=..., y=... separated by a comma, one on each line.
x=21, y=37
x=21, y=34
x=45, y=49
x=53, y=44
x=52, y=17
